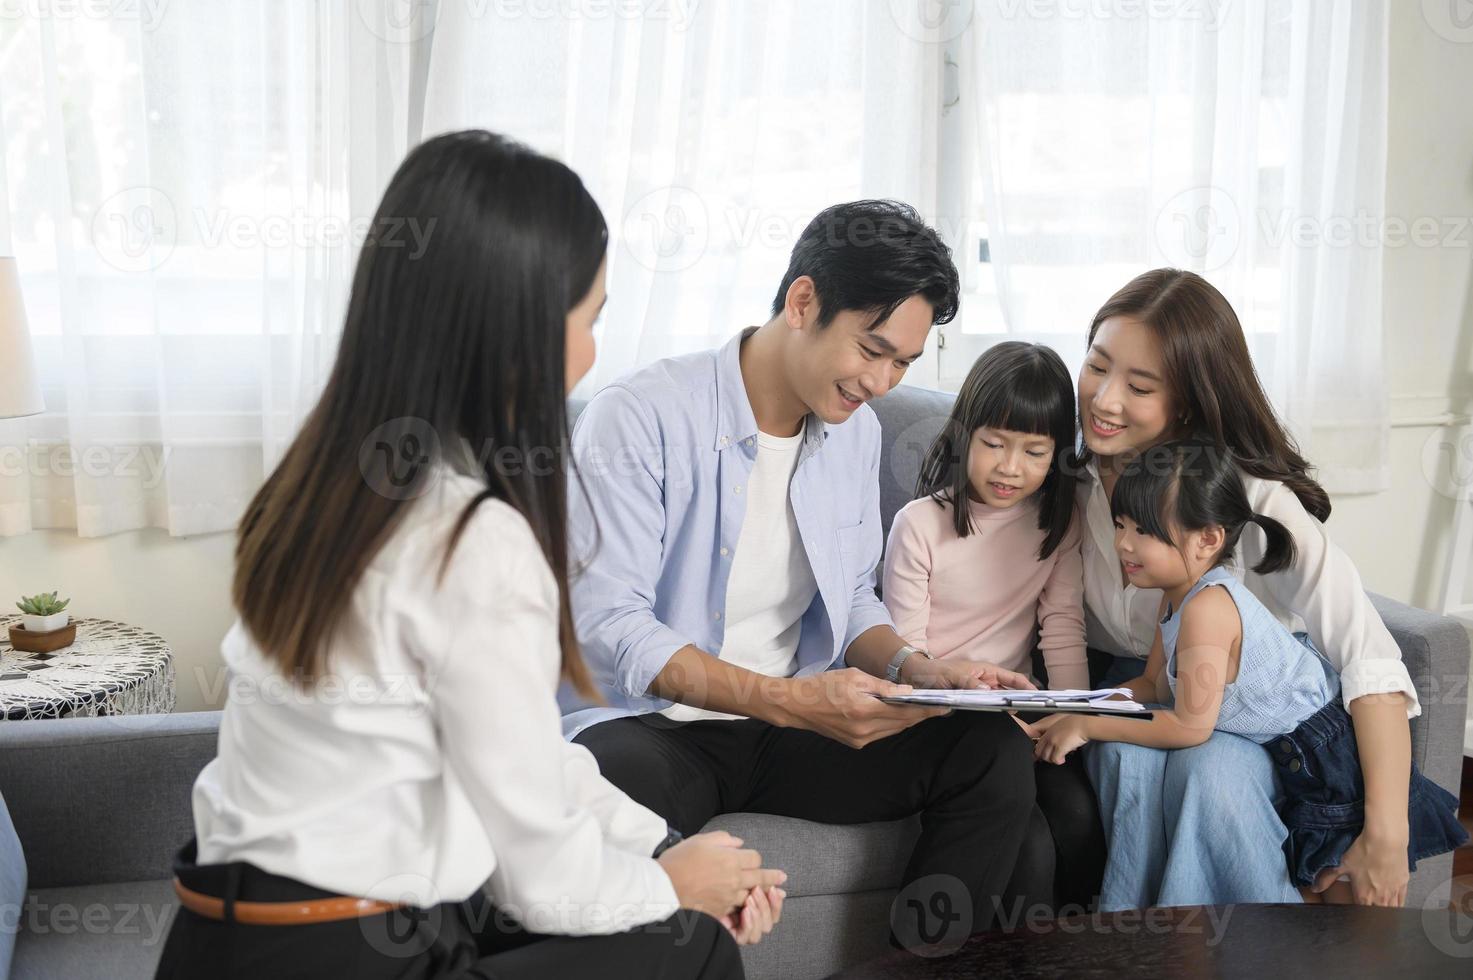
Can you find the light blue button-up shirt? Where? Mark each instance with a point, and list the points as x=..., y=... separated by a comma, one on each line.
x=665, y=454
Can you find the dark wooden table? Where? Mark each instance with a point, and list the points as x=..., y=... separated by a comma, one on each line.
x=1261, y=942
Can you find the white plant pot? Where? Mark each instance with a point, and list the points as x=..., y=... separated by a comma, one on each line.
x=45, y=624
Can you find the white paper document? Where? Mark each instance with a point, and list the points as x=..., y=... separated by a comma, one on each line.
x=1100, y=701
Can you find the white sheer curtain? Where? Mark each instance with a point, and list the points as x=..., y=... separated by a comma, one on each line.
x=187, y=185
x=184, y=188
x=710, y=133
x=1244, y=141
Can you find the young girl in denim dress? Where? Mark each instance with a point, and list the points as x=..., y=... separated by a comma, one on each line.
x=1222, y=662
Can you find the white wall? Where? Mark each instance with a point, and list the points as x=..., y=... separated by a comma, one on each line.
x=1400, y=538
x=179, y=588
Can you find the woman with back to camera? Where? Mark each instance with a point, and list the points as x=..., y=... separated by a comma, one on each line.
x=392, y=741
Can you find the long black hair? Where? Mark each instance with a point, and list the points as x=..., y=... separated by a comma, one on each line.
x=454, y=340
x=1019, y=387
x=1191, y=484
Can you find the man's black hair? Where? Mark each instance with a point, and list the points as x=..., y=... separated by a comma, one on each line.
x=872, y=256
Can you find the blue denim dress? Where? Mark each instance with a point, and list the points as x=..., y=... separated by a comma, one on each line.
x=1287, y=698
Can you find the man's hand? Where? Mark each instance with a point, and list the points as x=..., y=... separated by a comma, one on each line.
x=924, y=673
x=1061, y=738
x=843, y=705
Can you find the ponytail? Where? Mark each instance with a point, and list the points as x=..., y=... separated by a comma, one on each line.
x=1191, y=484
x=1279, y=552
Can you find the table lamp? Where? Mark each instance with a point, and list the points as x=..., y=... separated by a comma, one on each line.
x=20, y=385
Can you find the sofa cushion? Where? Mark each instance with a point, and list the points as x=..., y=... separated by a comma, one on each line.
x=820, y=934
x=826, y=859
x=12, y=886
x=122, y=809
x=910, y=418
x=111, y=932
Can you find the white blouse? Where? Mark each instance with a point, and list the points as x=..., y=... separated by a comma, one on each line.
x=1320, y=594
x=431, y=759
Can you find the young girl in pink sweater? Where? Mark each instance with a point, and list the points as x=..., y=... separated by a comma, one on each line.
x=990, y=547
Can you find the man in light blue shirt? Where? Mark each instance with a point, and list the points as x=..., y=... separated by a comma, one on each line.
x=728, y=611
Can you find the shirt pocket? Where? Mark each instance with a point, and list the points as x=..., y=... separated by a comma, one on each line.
x=851, y=550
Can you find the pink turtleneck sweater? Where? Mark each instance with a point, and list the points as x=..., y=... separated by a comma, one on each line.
x=978, y=597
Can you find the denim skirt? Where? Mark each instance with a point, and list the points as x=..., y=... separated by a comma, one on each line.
x=1324, y=798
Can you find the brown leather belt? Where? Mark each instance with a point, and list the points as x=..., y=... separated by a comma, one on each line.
x=281, y=913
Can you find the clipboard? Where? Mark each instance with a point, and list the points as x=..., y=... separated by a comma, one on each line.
x=1113, y=709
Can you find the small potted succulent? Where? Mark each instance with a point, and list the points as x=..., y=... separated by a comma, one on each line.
x=44, y=612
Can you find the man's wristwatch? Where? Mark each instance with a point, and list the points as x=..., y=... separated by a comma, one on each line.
x=671, y=839
x=892, y=672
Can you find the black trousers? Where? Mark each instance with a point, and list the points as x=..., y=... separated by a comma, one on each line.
x=470, y=939
x=968, y=774
x=1061, y=865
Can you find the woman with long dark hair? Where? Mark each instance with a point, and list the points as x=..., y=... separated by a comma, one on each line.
x=392, y=795
x=1168, y=359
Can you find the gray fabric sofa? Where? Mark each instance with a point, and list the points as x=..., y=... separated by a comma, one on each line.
x=12, y=887
x=100, y=805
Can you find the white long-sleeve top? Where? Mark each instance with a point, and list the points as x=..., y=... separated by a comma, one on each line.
x=430, y=761
x=1320, y=594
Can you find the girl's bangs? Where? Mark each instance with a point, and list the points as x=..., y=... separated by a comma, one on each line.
x=1142, y=496
x=1031, y=407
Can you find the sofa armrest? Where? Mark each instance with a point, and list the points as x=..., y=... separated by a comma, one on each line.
x=1435, y=651
x=99, y=800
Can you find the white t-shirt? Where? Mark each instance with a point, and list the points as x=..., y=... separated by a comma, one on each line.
x=771, y=583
